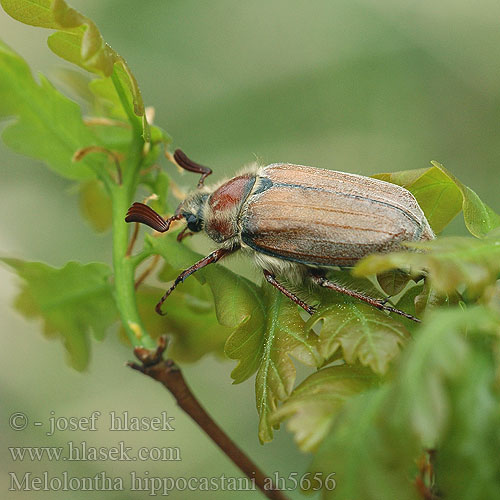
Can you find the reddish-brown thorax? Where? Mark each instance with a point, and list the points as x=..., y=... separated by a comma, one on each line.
x=225, y=200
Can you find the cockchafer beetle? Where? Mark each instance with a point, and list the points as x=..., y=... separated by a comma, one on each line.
x=295, y=221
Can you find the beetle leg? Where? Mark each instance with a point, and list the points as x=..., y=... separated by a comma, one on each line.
x=384, y=301
x=209, y=259
x=272, y=279
x=184, y=234
x=322, y=281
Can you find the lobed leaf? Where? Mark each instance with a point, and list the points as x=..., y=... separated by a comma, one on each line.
x=95, y=205
x=359, y=449
x=441, y=196
x=444, y=395
x=79, y=41
x=283, y=336
x=472, y=438
x=49, y=126
x=449, y=262
x=190, y=321
x=428, y=298
x=71, y=301
x=314, y=404
x=393, y=282
x=422, y=297
x=361, y=332
x=106, y=101
x=438, y=356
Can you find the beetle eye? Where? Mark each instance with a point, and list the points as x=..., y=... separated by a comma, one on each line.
x=193, y=223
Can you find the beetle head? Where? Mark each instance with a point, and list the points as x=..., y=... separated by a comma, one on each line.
x=192, y=209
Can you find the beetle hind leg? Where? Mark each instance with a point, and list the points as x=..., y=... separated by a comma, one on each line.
x=384, y=301
x=379, y=304
x=272, y=280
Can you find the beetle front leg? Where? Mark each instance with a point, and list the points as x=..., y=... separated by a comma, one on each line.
x=184, y=234
x=209, y=259
x=322, y=281
x=272, y=280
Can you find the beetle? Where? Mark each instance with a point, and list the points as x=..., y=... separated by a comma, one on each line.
x=295, y=222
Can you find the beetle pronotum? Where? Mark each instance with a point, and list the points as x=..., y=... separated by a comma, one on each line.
x=296, y=222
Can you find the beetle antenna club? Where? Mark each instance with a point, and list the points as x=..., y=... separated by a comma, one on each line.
x=187, y=164
x=296, y=222
x=139, y=212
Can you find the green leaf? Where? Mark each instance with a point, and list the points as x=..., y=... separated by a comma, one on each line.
x=472, y=438
x=158, y=181
x=75, y=81
x=314, y=404
x=106, y=100
x=441, y=196
x=359, y=449
x=80, y=42
x=449, y=262
x=479, y=218
x=239, y=305
x=429, y=298
x=49, y=126
x=190, y=321
x=361, y=332
x=438, y=356
x=71, y=301
x=392, y=282
x=95, y=205
x=437, y=194
x=445, y=395
x=283, y=336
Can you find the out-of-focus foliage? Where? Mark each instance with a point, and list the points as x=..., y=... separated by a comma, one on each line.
x=49, y=125
x=449, y=262
x=79, y=41
x=395, y=387
x=71, y=301
x=443, y=396
x=314, y=404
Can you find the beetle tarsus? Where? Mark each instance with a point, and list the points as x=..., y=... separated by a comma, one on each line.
x=215, y=256
x=384, y=301
x=322, y=281
x=272, y=280
x=184, y=234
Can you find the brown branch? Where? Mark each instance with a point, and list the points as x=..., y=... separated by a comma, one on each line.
x=115, y=157
x=425, y=481
x=169, y=374
x=147, y=271
x=132, y=241
x=93, y=121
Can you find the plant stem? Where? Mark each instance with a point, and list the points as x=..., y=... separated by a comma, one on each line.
x=124, y=269
x=170, y=376
x=133, y=119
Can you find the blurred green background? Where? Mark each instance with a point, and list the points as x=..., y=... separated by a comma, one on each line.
x=362, y=86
